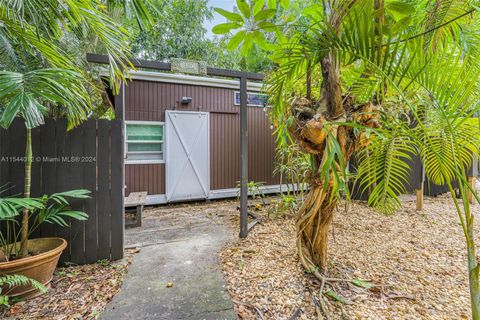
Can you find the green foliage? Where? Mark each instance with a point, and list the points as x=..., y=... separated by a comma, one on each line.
x=30, y=95
x=254, y=190
x=8, y=282
x=252, y=26
x=52, y=209
x=45, y=74
x=9, y=207
x=444, y=135
x=288, y=204
x=292, y=166
x=384, y=169
x=362, y=283
x=42, y=53
x=178, y=32
x=335, y=296
x=32, y=35
x=104, y=262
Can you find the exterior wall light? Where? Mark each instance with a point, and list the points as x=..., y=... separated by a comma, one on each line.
x=186, y=100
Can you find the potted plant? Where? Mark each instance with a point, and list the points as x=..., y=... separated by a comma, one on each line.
x=35, y=259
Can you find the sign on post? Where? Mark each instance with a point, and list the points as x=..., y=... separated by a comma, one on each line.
x=189, y=66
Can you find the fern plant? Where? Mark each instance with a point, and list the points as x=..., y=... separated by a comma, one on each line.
x=9, y=282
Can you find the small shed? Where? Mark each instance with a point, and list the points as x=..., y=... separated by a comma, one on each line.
x=182, y=137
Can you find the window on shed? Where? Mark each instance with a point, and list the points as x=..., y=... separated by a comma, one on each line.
x=145, y=142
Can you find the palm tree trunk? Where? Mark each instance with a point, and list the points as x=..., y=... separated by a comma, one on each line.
x=26, y=194
x=473, y=265
x=316, y=214
x=313, y=223
x=473, y=277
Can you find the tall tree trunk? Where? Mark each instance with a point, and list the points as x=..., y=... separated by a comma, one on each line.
x=26, y=194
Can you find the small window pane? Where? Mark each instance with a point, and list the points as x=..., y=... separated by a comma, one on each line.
x=145, y=156
x=144, y=132
x=135, y=147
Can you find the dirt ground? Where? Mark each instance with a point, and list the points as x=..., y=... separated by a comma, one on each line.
x=414, y=261
x=76, y=292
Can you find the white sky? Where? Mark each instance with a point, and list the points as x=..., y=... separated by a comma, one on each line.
x=224, y=4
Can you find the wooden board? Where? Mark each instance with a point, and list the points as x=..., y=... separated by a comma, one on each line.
x=135, y=199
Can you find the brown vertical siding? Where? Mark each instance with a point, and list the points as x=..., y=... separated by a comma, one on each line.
x=148, y=100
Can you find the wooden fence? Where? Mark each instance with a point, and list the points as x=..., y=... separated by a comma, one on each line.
x=87, y=157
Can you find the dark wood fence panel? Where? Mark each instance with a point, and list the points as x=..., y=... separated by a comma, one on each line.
x=415, y=179
x=88, y=157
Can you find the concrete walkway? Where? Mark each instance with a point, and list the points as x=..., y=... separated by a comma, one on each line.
x=176, y=247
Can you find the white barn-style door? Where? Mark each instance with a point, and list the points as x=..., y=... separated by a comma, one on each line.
x=187, y=161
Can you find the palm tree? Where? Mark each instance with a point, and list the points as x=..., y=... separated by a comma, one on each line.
x=354, y=76
x=44, y=76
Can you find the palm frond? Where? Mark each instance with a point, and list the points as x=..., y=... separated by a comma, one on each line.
x=383, y=169
x=26, y=95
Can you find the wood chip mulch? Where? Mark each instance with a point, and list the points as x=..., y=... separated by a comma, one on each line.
x=76, y=292
x=414, y=261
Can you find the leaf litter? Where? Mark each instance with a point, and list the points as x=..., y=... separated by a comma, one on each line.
x=411, y=265
x=76, y=292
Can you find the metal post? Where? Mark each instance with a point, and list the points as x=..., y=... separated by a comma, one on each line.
x=243, y=159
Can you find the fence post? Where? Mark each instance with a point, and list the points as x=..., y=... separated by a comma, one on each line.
x=243, y=159
x=419, y=181
x=419, y=193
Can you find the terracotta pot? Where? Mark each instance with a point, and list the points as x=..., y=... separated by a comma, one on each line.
x=40, y=266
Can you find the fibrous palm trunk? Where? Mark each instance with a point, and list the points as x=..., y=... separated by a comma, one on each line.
x=314, y=136
x=315, y=216
x=313, y=223
x=317, y=125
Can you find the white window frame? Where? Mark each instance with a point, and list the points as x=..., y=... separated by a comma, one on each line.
x=156, y=123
